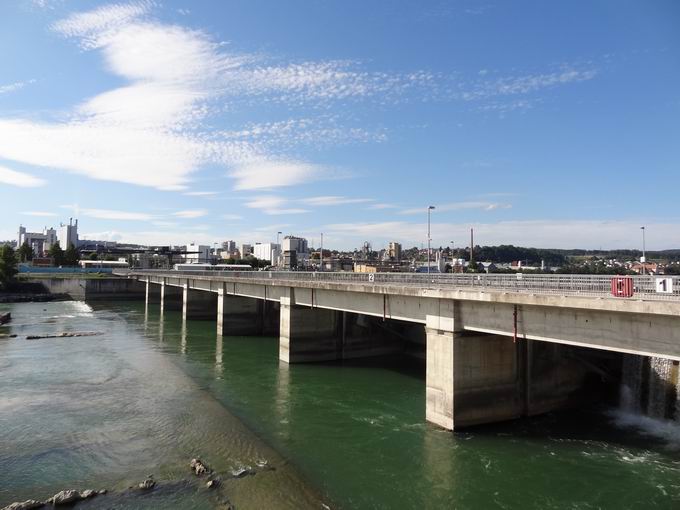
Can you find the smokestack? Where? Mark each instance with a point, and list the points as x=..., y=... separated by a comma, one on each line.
x=472, y=244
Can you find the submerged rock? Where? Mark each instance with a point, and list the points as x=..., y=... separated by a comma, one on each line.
x=212, y=483
x=65, y=334
x=25, y=505
x=101, y=492
x=147, y=484
x=89, y=493
x=198, y=467
x=240, y=472
x=65, y=497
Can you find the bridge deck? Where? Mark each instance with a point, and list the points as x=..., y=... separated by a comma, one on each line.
x=646, y=288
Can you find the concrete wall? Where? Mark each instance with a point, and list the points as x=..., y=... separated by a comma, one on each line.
x=94, y=288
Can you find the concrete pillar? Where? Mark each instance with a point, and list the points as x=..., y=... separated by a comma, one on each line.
x=198, y=304
x=152, y=292
x=309, y=334
x=171, y=297
x=470, y=378
x=244, y=316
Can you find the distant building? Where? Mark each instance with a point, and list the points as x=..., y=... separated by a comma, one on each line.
x=267, y=251
x=296, y=244
x=40, y=242
x=68, y=234
x=197, y=254
x=246, y=250
x=229, y=246
x=394, y=251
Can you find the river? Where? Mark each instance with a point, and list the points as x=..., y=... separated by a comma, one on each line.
x=149, y=394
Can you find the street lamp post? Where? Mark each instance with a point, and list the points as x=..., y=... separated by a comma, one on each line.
x=644, y=258
x=321, y=254
x=278, y=248
x=429, y=239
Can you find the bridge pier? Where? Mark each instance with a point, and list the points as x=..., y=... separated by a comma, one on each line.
x=243, y=316
x=320, y=334
x=152, y=292
x=309, y=334
x=198, y=304
x=476, y=378
x=171, y=297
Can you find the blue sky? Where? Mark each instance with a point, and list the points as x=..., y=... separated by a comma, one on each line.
x=548, y=124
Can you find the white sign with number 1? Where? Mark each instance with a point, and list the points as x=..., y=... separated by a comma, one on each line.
x=664, y=285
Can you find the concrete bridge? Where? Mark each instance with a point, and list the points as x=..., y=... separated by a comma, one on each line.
x=495, y=346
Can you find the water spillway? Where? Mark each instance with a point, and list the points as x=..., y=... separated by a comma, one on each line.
x=649, y=386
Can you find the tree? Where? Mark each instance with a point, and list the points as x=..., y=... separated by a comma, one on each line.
x=24, y=253
x=71, y=256
x=93, y=256
x=8, y=266
x=57, y=254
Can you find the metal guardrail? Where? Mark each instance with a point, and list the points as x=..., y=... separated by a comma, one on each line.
x=648, y=287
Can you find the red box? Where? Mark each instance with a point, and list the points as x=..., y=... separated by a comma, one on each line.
x=622, y=286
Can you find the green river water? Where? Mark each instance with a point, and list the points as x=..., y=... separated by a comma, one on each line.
x=149, y=394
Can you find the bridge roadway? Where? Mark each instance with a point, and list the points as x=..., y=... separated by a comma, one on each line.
x=470, y=322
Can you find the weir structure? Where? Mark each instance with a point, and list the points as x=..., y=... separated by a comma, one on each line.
x=496, y=347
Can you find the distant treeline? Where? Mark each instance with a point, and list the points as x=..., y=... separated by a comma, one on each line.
x=506, y=253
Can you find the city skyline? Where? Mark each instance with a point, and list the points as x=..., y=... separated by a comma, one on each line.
x=545, y=126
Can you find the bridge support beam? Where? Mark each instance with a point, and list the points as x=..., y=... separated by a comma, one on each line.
x=243, y=316
x=198, y=304
x=171, y=297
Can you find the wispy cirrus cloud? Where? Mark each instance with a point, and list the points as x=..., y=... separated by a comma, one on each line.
x=266, y=174
x=154, y=130
x=20, y=179
x=113, y=214
x=12, y=87
x=525, y=84
x=44, y=214
x=274, y=205
x=191, y=214
x=174, y=77
x=334, y=200
x=459, y=206
x=201, y=193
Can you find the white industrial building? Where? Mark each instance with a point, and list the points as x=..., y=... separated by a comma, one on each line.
x=267, y=251
x=196, y=254
x=40, y=242
x=68, y=234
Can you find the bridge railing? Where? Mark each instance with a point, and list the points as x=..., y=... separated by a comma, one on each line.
x=646, y=287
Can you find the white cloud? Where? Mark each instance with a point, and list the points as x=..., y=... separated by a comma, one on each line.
x=514, y=85
x=20, y=179
x=265, y=174
x=190, y=214
x=458, y=206
x=274, y=206
x=231, y=217
x=334, y=200
x=201, y=193
x=108, y=214
x=382, y=206
x=39, y=213
x=12, y=87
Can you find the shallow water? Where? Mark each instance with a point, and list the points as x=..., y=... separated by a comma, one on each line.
x=150, y=393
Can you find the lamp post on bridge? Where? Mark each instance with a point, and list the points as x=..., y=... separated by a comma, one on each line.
x=429, y=239
x=278, y=247
x=644, y=257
